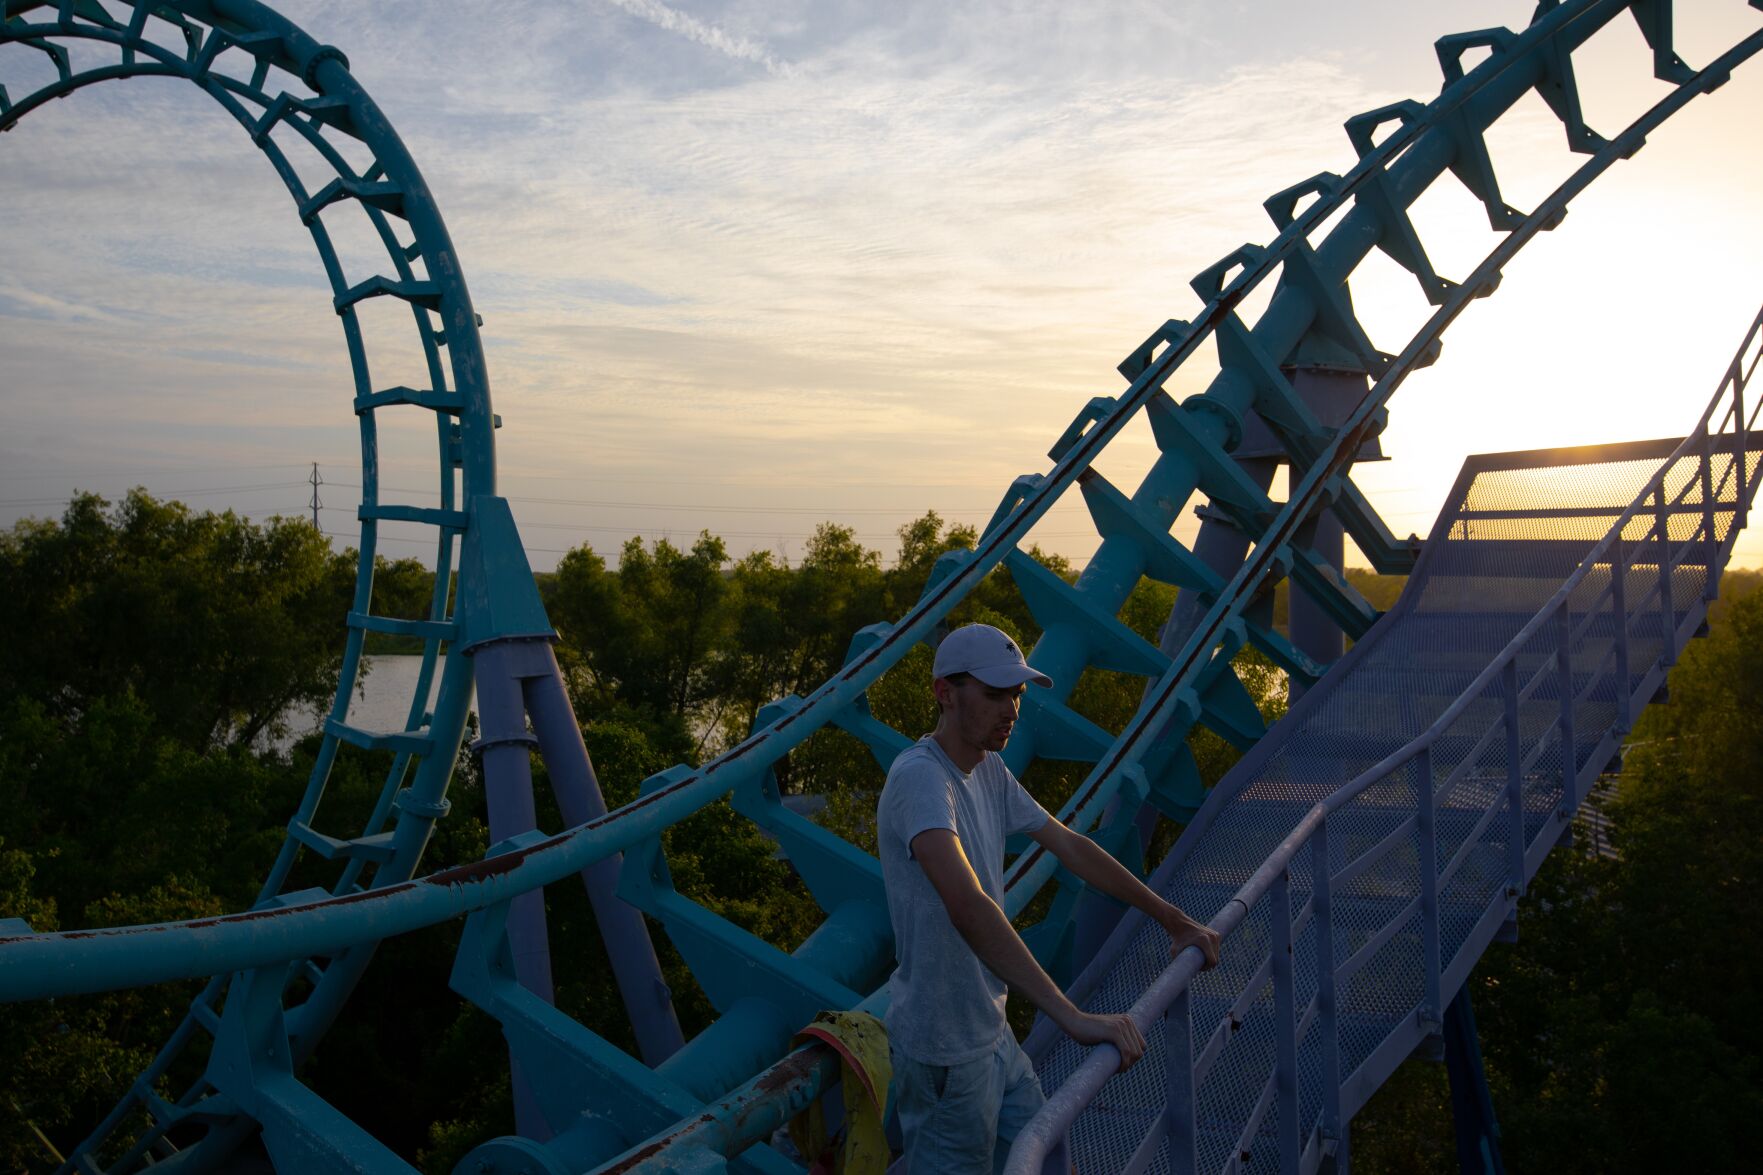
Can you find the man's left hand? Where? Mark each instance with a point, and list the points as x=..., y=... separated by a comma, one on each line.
x=1184, y=932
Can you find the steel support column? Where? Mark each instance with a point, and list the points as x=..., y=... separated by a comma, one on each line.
x=1472, y=1109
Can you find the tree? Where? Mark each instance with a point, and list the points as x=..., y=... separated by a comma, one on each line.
x=646, y=635
x=218, y=626
x=922, y=542
x=791, y=627
x=155, y=646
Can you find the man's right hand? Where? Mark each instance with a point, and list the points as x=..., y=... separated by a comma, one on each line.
x=1117, y=1030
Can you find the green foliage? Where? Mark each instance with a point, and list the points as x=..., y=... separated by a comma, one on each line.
x=218, y=626
x=68, y=1060
x=791, y=626
x=647, y=631
x=1380, y=591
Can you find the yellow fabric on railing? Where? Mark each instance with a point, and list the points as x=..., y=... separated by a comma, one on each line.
x=865, y=1073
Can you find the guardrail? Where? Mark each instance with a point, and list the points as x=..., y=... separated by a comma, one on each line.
x=1417, y=766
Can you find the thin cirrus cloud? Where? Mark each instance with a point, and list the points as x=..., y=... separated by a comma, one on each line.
x=672, y=20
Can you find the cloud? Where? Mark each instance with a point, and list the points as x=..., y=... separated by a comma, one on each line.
x=674, y=21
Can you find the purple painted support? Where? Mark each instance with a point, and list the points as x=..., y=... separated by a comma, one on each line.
x=1619, y=617
x=1569, y=740
x=506, y=751
x=1314, y=633
x=1667, y=609
x=647, y=999
x=1222, y=548
x=1514, y=783
x=1705, y=465
x=517, y=676
x=1331, y=390
x=1741, y=444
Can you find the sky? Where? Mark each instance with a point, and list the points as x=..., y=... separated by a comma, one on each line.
x=750, y=266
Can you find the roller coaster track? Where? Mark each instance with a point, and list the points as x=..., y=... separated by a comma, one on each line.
x=283, y=970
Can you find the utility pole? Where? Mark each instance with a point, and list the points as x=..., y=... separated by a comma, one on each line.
x=316, y=481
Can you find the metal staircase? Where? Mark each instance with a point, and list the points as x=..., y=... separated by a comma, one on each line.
x=1362, y=857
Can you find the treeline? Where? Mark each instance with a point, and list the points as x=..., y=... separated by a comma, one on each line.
x=153, y=652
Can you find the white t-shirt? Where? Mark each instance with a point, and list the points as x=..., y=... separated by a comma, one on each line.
x=945, y=1007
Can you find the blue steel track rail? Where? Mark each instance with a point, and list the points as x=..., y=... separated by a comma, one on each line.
x=1144, y=761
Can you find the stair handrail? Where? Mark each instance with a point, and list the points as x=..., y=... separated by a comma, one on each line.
x=1043, y=1137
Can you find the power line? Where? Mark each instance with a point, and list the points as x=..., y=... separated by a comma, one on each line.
x=63, y=499
x=887, y=560
x=743, y=534
x=694, y=508
x=63, y=471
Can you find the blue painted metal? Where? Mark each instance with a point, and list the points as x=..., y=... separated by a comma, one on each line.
x=700, y=1103
x=1472, y=1107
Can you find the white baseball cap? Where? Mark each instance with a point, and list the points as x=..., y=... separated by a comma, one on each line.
x=988, y=654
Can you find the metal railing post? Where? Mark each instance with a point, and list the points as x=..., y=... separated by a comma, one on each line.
x=1710, y=582
x=1619, y=614
x=1741, y=444
x=1328, y=1022
x=1667, y=613
x=1426, y=833
x=1514, y=781
x=1569, y=748
x=1178, y=1070
x=1285, y=1027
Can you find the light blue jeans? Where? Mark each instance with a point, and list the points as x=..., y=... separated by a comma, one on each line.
x=961, y=1119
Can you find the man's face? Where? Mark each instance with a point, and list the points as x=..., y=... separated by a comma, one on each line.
x=980, y=715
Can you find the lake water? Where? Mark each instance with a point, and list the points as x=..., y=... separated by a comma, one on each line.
x=381, y=703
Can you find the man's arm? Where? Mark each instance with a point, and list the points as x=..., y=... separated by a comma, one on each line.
x=1093, y=864
x=984, y=927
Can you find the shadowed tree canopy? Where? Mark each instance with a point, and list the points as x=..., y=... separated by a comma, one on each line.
x=645, y=632
x=216, y=625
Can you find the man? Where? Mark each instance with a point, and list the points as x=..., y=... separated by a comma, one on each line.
x=963, y=1084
